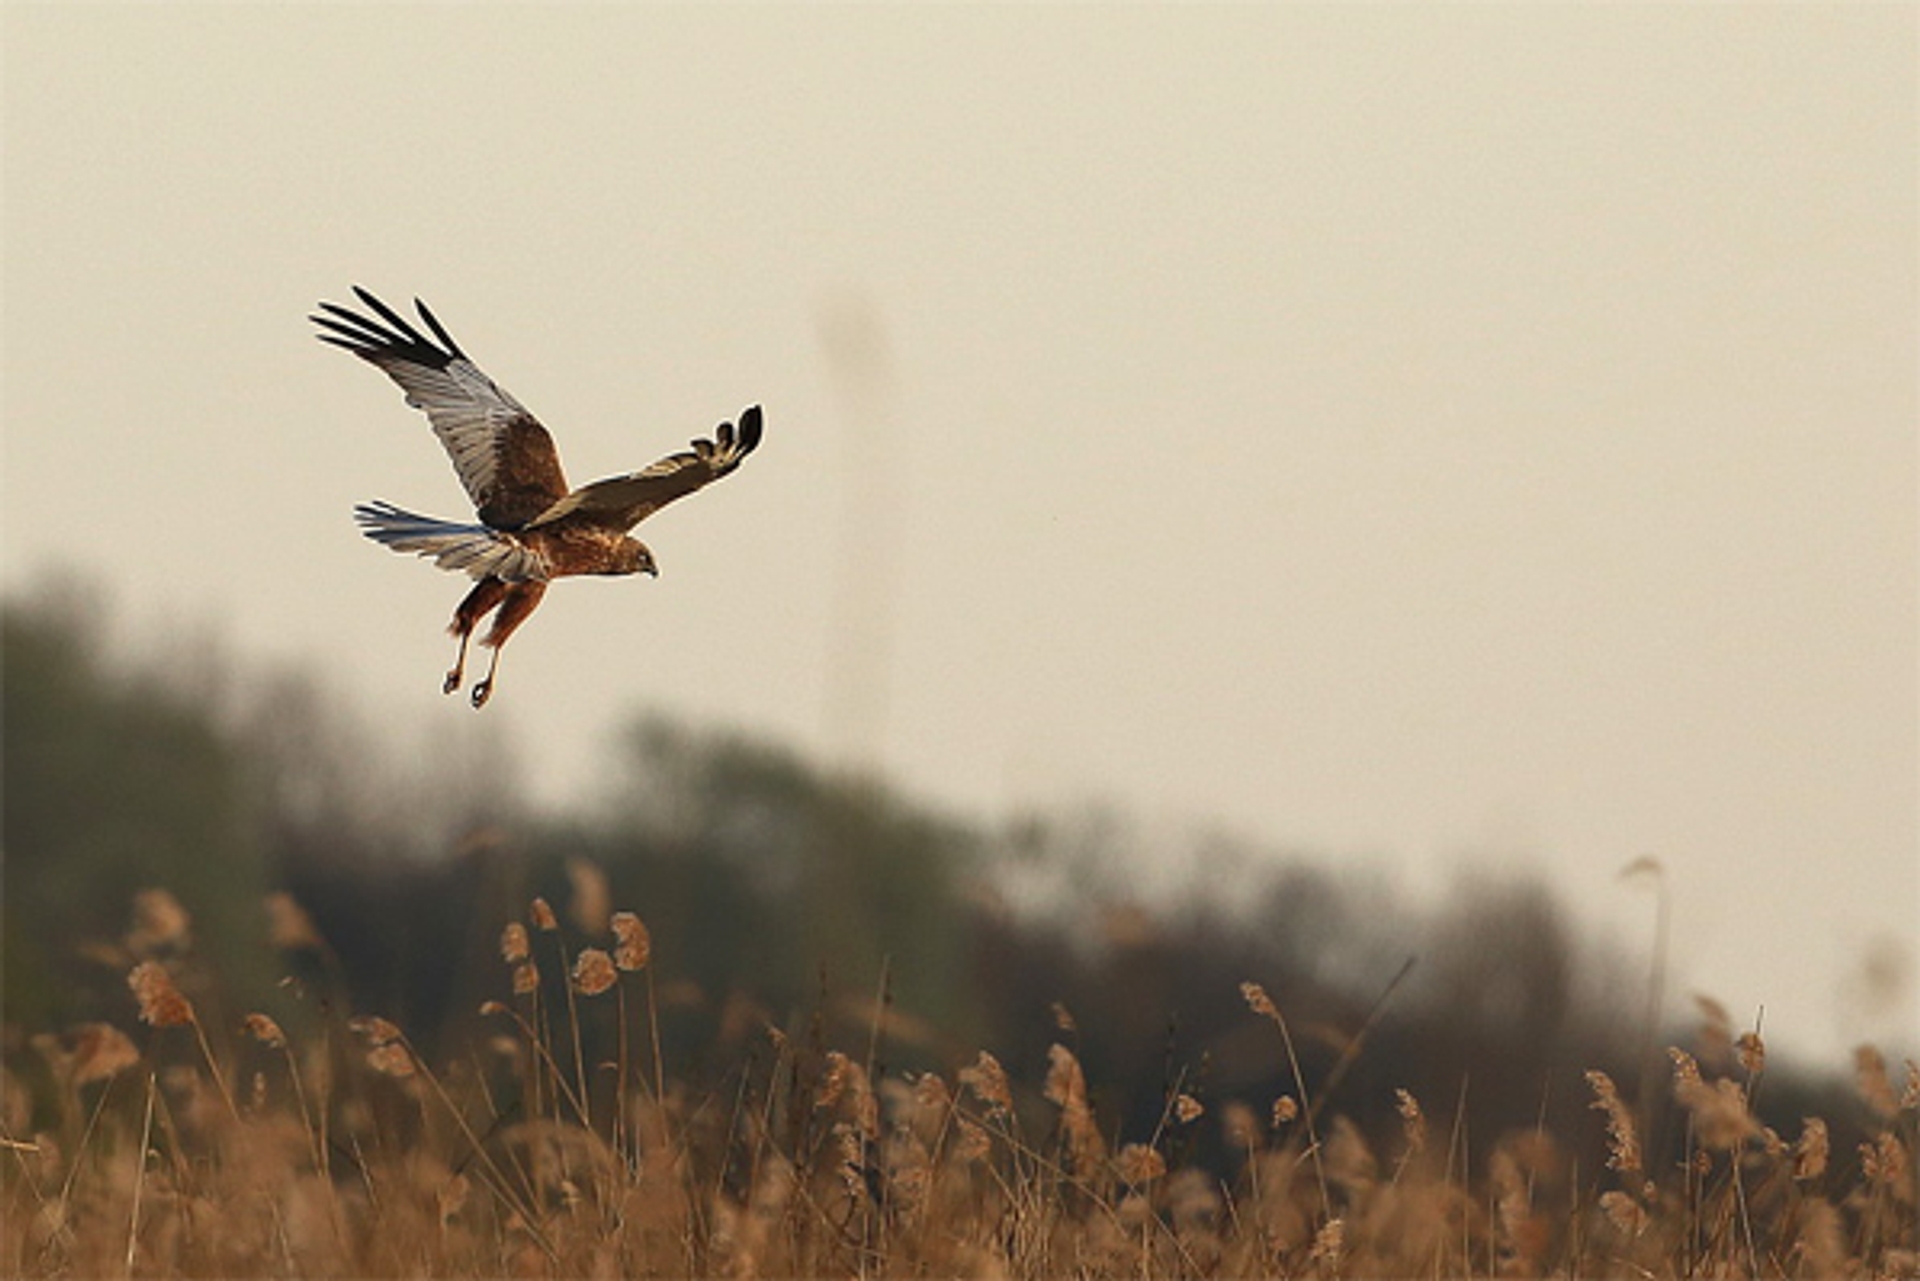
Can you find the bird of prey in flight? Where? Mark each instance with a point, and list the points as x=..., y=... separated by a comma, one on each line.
x=532, y=528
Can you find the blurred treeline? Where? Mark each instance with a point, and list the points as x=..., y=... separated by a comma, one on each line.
x=778, y=894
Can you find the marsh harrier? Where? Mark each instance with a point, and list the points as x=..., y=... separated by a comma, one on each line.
x=532, y=528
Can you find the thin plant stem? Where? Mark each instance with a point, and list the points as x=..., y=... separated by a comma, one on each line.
x=140, y=1176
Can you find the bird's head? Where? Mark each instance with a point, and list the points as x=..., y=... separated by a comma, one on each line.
x=635, y=558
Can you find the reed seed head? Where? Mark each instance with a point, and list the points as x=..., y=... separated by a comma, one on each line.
x=1136, y=1163
x=375, y=1030
x=1720, y=1116
x=160, y=925
x=1626, y=1215
x=1259, y=1002
x=1240, y=1125
x=1871, y=1079
x=988, y=1081
x=1066, y=1083
x=633, y=946
x=391, y=1059
x=289, y=927
x=1811, y=1152
x=263, y=1029
x=1413, y=1122
x=161, y=1003
x=99, y=1050
x=1623, y=1141
x=593, y=972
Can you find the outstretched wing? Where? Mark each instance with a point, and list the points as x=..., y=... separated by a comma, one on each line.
x=621, y=502
x=501, y=453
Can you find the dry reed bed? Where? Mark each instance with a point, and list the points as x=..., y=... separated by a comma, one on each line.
x=342, y=1152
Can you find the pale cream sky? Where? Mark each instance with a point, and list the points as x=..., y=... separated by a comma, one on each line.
x=1416, y=433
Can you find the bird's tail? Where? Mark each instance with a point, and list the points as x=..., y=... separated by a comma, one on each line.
x=480, y=551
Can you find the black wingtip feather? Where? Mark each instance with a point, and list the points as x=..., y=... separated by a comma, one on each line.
x=389, y=315
x=439, y=330
x=749, y=429
x=397, y=339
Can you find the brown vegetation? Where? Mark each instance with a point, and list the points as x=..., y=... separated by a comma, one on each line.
x=559, y=1144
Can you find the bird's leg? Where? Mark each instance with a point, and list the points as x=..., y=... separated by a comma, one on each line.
x=485, y=595
x=521, y=600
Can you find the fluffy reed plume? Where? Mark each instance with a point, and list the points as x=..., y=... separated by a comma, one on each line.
x=988, y=1081
x=391, y=1060
x=1520, y=1232
x=1884, y=1160
x=1328, y=1243
x=1623, y=1140
x=387, y=1051
x=263, y=1029
x=374, y=1030
x=1066, y=1084
x=1067, y=1089
x=1821, y=1243
x=1628, y=1216
x=1258, y=1001
x=514, y=946
x=844, y=1082
x=161, y=926
x=1810, y=1153
x=593, y=972
x=98, y=1051
x=1187, y=1109
x=1719, y=1108
x=1239, y=1126
x=1137, y=1164
x=1875, y=1086
x=542, y=916
x=161, y=1003
x=972, y=1143
x=932, y=1100
x=289, y=927
x=1413, y=1122
x=633, y=946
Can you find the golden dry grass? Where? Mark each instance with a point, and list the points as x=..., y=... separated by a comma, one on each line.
x=562, y=1145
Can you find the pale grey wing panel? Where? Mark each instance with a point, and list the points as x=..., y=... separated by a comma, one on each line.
x=503, y=456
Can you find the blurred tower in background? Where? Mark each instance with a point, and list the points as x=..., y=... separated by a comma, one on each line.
x=866, y=565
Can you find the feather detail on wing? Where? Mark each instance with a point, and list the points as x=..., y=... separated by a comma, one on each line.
x=621, y=502
x=503, y=456
x=480, y=551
